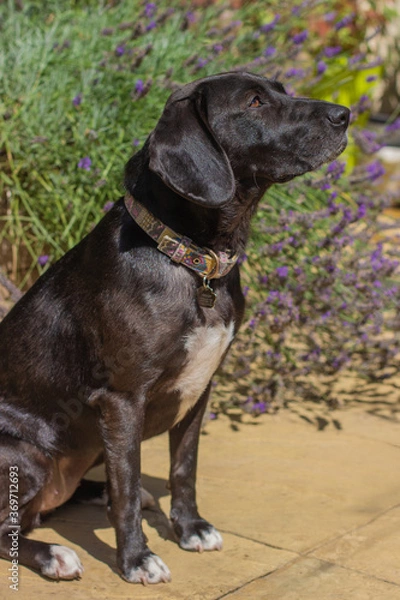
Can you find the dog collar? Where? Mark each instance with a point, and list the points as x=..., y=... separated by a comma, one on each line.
x=203, y=261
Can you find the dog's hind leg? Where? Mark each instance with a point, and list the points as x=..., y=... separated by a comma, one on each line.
x=193, y=532
x=24, y=471
x=95, y=492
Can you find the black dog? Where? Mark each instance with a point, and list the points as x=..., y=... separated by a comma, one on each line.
x=118, y=341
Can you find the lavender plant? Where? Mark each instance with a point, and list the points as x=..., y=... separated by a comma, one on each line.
x=325, y=302
x=82, y=84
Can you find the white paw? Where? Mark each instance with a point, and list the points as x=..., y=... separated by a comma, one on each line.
x=101, y=500
x=64, y=564
x=152, y=570
x=147, y=499
x=209, y=539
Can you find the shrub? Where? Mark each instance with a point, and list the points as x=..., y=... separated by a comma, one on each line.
x=83, y=84
x=322, y=302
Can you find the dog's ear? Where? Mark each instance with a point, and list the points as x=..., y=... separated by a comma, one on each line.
x=187, y=156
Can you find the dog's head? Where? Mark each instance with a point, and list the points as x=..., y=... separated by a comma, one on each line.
x=237, y=126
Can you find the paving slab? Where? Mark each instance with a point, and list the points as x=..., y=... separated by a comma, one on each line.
x=372, y=549
x=377, y=423
x=194, y=576
x=282, y=482
x=304, y=514
x=311, y=579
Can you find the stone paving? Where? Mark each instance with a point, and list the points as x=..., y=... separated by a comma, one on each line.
x=305, y=515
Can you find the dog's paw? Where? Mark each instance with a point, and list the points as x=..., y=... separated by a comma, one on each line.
x=201, y=537
x=150, y=570
x=64, y=564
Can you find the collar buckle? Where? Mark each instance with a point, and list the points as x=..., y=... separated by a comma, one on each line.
x=180, y=249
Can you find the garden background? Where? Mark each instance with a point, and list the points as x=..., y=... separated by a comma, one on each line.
x=83, y=84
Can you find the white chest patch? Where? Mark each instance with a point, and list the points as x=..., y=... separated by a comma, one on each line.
x=205, y=347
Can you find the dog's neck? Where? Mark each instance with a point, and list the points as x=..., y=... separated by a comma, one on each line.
x=220, y=229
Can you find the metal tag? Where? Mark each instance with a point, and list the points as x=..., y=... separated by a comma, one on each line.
x=206, y=296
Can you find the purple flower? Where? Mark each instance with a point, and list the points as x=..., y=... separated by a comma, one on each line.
x=119, y=50
x=393, y=126
x=201, y=63
x=77, y=100
x=301, y=37
x=333, y=197
x=151, y=25
x=282, y=272
x=361, y=211
x=332, y=167
x=330, y=16
x=191, y=17
x=330, y=268
x=139, y=86
x=347, y=215
x=293, y=72
x=344, y=22
x=150, y=9
x=108, y=206
x=326, y=315
x=212, y=416
x=217, y=48
x=371, y=78
x=269, y=51
x=363, y=104
x=270, y=26
x=272, y=296
x=325, y=185
x=321, y=67
x=43, y=260
x=336, y=169
x=331, y=51
x=275, y=248
x=259, y=407
x=367, y=140
x=356, y=58
x=375, y=170
x=85, y=163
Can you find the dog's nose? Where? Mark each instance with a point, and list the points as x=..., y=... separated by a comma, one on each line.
x=338, y=115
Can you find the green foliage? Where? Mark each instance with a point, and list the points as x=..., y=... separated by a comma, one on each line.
x=84, y=84
x=90, y=80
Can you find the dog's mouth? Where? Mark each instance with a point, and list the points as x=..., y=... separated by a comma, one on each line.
x=311, y=165
x=329, y=155
x=308, y=163
x=341, y=147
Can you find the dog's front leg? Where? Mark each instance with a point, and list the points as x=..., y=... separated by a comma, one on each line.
x=193, y=532
x=121, y=424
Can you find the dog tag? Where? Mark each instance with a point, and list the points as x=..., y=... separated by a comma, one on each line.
x=206, y=296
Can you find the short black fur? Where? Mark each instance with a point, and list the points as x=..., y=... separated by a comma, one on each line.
x=98, y=353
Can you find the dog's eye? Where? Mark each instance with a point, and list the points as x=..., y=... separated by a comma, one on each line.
x=256, y=102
